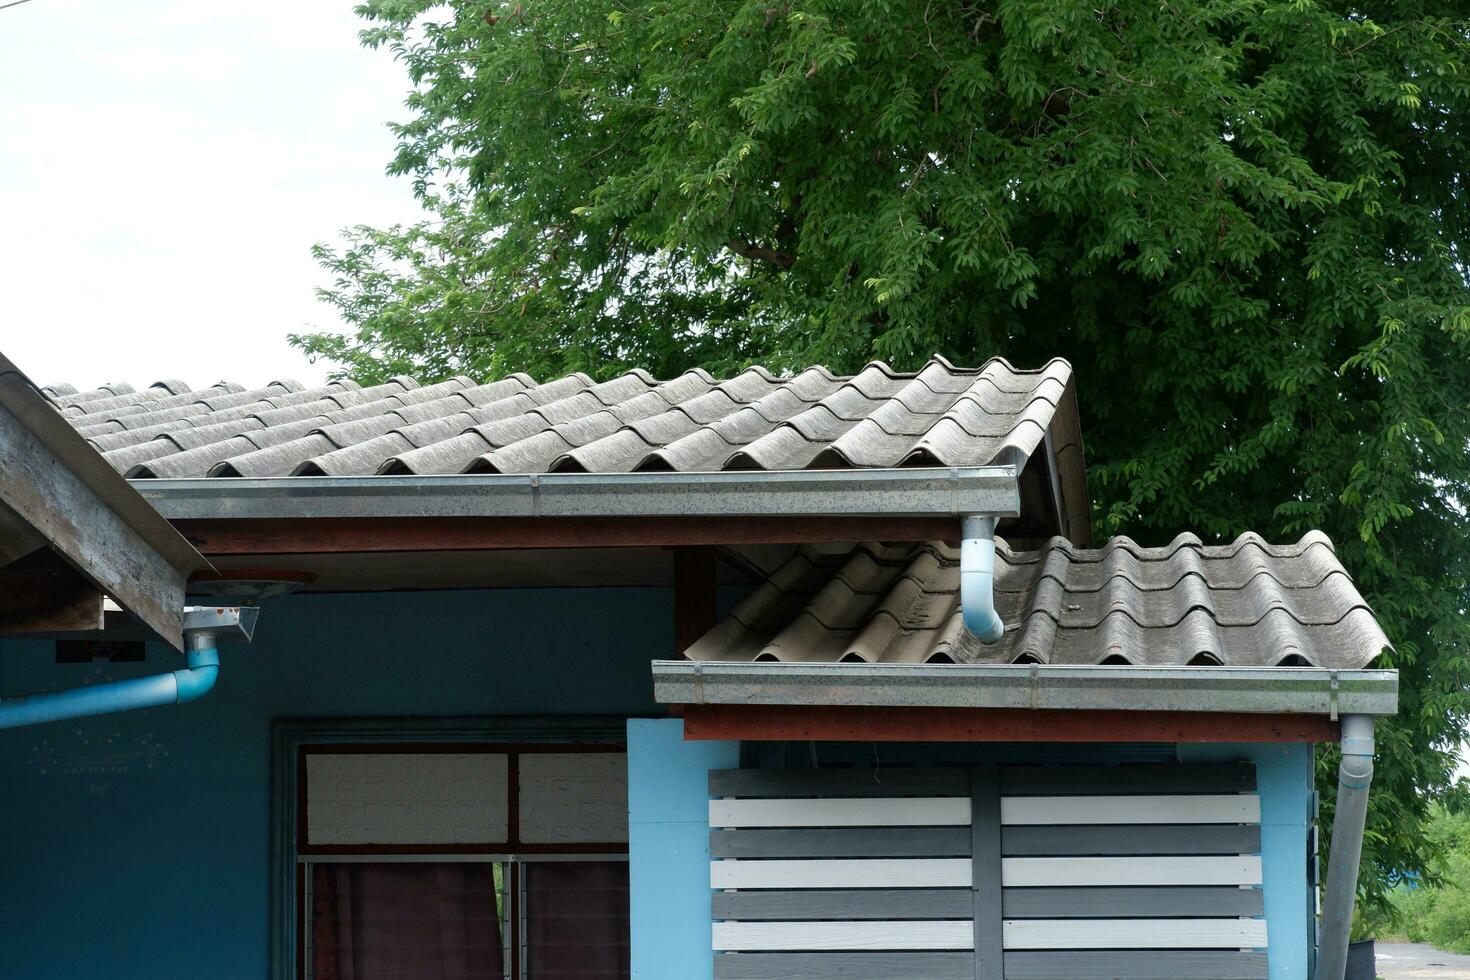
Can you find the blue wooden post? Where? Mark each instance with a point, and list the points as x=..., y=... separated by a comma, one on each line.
x=668, y=848
x=1284, y=780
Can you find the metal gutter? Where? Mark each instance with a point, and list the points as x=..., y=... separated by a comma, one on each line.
x=917, y=492
x=1251, y=690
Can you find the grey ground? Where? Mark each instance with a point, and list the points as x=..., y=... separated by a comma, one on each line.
x=1412, y=961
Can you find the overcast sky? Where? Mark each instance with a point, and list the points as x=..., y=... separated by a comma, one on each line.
x=166, y=166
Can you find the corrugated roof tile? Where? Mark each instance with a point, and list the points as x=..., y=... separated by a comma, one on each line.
x=1243, y=604
x=878, y=417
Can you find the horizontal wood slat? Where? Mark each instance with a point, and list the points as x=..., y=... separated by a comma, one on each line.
x=798, y=783
x=1014, y=780
x=1134, y=933
x=846, y=966
x=1126, y=902
x=876, y=873
x=1075, y=810
x=897, y=812
x=877, y=903
x=1109, y=839
x=1228, y=777
x=1135, y=965
x=845, y=842
x=1028, y=872
x=844, y=936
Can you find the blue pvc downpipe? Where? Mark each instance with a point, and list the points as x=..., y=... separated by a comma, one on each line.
x=176, y=687
x=977, y=579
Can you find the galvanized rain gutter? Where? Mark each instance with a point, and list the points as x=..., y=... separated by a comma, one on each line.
x=1250, y=690
x=913, y=492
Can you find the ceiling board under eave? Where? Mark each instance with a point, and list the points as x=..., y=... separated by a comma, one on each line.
x=526, y=568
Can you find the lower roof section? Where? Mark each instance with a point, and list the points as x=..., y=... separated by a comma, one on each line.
x=1245, y=604
x=1269, y=690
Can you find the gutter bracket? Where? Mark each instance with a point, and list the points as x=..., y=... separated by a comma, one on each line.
x=1333, y=687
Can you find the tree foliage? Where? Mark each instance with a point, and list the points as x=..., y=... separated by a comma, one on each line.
x=1243, y=221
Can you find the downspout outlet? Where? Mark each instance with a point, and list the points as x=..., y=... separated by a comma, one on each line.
x=977, y=579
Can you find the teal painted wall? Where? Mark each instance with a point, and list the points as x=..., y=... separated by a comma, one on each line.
x=668, y=847
x=138, y=845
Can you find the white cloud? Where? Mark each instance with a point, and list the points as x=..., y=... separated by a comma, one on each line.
x=164, y=170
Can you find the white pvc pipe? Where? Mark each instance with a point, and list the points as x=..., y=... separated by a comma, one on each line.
x=977, y=579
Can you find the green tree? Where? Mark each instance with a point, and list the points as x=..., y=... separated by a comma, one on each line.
x=1243, y=221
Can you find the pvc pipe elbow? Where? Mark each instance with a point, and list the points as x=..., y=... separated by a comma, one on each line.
x=977, y=580
x=198, y=680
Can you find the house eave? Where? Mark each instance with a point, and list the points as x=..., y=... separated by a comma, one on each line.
x=1245, y=690
x=57, y=492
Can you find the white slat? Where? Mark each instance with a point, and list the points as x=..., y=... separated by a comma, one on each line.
x=894, y=812
x=1134, y=933
x=842, y=873
x=1243, y=869
x=1223, y=808
x=953, y=934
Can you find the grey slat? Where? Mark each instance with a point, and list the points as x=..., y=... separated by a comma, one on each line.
x=985, y=872
x=839, y=782
x=1135, y=965
x=847, y=966
x=842, y=842
x=1225, y=777
x=1132, y=902
x=847, y=903
x=1130, y=839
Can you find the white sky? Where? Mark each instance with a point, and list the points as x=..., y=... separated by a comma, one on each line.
x=166, y=166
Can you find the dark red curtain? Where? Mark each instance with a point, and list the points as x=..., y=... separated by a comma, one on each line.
x=576, y=919
x=405, y=921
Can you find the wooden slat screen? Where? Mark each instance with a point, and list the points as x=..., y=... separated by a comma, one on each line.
x=986, y=874
x=830, y=873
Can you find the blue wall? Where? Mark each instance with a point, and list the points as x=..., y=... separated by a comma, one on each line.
x=668, y=847
x=137, y=845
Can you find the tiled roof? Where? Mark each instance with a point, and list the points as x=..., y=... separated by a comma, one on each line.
x=938, y=416
x=1247, y=604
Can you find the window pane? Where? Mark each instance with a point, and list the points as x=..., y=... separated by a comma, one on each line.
x=405, y=921
x=576, y=919
x=406, y=798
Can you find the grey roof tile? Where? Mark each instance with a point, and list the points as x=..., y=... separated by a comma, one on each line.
x=1243, y=604
x=940, y=415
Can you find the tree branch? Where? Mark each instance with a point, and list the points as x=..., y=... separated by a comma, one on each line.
x=744, y=249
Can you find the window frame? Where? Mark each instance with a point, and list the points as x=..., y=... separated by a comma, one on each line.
x=292, y=740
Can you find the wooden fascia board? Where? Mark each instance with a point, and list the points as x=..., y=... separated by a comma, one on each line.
x=848, y=723
x=294, y=536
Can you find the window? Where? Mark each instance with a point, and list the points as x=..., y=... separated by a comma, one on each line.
x=462, y=862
